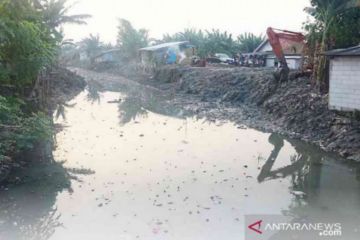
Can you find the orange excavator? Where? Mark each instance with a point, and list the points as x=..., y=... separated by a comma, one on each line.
x=283, y=41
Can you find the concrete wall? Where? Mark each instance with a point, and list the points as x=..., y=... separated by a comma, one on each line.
x=344, y=93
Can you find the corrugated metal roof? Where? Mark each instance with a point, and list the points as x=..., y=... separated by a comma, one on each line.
x=352, y=51
x=163, y=45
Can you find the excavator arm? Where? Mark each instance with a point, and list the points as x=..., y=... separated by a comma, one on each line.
x=278, y=38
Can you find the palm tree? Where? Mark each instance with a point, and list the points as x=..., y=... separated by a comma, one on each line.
x=55, y=14
x=249, y=42
x=325, y=12
x=129, y=39
x=219, y=42
x=92, y=46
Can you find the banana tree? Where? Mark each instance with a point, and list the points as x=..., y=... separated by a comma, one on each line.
x=326, y=14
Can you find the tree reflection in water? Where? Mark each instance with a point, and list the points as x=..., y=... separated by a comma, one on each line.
x=138, y=104
x=131, y=108
x=28, y=211
x=94, y=89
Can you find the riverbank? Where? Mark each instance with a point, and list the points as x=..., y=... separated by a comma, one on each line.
x=153, y=170
x=252, y=96
x=26, y=129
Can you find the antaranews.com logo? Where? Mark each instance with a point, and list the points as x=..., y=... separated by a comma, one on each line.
x=279, y=227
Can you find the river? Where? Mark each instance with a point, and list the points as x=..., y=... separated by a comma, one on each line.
x=130, y=166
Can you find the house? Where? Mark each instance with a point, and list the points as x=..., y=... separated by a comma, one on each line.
x=344, y=79
x=156, y=55
x=293, y=54
x=109, y=56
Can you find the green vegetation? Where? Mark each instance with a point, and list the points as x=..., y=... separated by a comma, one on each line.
x=30, y=37
x=92, y=46
x=19, y=130
x=26, y=45
x=336, y=25
x=129, y=40
x=215, y=41
x=248, y=42
x=195, y=37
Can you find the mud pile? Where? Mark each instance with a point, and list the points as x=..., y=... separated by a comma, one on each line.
x=294, y=107
x=64, y=85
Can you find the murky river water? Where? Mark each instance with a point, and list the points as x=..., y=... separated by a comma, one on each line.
x=144, y=171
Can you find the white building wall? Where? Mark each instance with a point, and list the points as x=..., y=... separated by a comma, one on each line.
x=293, y=63
x=344, y=92
x=270, y=62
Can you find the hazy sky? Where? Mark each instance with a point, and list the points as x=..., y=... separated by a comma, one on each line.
x=170, y=16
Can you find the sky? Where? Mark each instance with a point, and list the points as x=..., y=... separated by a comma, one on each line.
x=171, y=16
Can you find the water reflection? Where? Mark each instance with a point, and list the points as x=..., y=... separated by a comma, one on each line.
x=315, y=186
x=305, y=167
x=138, y=104
x=135, y=101
x=320, y=190
x=61, y=108
x=300, y=165
x=94, y=88
x=163, y=175
x=28, y=210
x=130, y=108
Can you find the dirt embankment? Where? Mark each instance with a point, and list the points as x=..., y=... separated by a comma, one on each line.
x=64, y=85
x=293, y=108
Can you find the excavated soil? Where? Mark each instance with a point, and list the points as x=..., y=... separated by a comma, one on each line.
x=65, y=85
x=253, y=97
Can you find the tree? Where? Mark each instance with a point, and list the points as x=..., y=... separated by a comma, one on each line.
x=215, y=41
x=130, y=40
x=337, y=24
x=195, y=37
x=55, y=14
x=248, y=42
x=92, y=46
x=26, y=43
x=219, y=42
x=30, y=38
